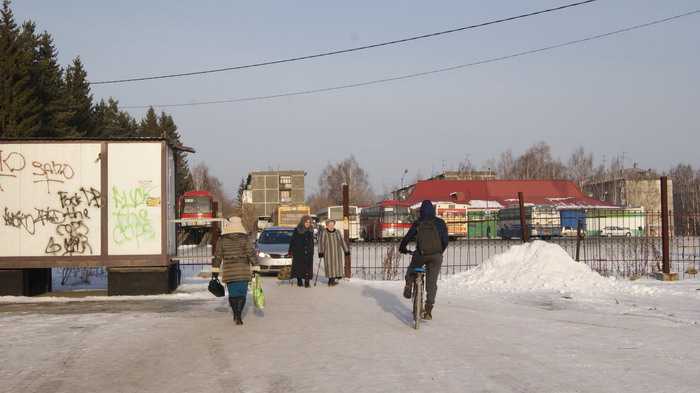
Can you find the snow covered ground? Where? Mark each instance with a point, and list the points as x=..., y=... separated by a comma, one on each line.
x=529, y=320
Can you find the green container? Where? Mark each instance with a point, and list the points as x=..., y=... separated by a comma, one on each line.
x=482, y=224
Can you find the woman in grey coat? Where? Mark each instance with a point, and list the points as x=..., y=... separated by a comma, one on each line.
x=332, y=248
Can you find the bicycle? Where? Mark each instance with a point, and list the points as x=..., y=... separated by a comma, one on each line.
x=418, y=295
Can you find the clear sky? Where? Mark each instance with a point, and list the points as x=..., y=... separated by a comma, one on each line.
x=635, y=93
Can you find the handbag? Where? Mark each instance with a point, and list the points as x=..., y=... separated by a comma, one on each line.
x=258, y=294
x=216, y=288
x=285, y=273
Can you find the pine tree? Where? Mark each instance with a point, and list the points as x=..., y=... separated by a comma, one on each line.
x=19, y=107
x=183, y=177
x=110, y=122
x=149, y=126
x=79, y=99
x=48, y=79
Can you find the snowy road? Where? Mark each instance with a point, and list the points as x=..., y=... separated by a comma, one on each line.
x=356, y=338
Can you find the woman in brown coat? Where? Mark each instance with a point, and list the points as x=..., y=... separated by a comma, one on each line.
x=233, y=257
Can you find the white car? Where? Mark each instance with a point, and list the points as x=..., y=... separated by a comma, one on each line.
x=616, y=231
x=272, y=248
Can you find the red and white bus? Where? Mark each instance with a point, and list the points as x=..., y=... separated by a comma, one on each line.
x=196, y=205
x=387, y=220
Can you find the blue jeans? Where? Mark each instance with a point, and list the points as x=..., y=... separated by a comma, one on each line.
x=237, y=288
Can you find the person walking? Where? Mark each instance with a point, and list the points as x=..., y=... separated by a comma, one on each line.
x=234, y=256
x=432, y=237
x=332, y=248
x=302, y=249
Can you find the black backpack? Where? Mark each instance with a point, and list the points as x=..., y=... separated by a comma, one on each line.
x=429, y=242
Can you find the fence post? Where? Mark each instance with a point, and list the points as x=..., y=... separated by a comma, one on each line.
x=666, y=266
x=346, y=227
x=524, y=230
x=579, y=237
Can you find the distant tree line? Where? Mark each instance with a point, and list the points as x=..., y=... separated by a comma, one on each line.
x=41, y=99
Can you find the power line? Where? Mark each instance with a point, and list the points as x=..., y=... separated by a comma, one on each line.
x=424, y=73
x=337, y=52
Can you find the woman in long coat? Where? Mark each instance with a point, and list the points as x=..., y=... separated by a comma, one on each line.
x=332, y=248
x=302, y=249
x=233, y=257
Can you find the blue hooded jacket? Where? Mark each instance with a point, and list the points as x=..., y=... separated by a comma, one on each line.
x=427, y=212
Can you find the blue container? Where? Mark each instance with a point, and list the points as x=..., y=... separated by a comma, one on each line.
x=571, y=218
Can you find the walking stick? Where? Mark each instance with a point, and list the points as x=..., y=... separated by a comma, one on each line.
x=318, y=269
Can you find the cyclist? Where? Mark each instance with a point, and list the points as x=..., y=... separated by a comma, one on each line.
x=430, y=233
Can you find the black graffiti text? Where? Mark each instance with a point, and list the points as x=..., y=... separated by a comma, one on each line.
x=52, y=172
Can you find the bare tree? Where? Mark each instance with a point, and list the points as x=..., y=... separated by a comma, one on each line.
x=349, y=172
x=466, y=166
x=535, y=163
x=202, y=179
x=580, y=166
x=505, y=167
x=686, y=199
x=316, y=202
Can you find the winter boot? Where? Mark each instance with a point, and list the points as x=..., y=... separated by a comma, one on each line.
x=408, y=290
x=306, y=283
x=299, y=283
x=428, y=312
x=233, y=302
x=240, y=304
x=331, y=282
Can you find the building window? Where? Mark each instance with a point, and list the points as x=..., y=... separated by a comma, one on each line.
x=285, y=196
x=285, y=182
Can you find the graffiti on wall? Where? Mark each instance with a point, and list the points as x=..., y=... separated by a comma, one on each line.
x=70, y=234
x=131, y=221
x=11, y=163
x=49, y=172
x=48, y=208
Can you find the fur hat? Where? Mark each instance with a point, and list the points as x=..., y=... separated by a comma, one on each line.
x=233, y=225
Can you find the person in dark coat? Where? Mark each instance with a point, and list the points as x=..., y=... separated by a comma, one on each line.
x=431, y=261
x=234, y=256
x=302, y=249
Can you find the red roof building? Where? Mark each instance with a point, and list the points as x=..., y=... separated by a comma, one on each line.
x=487, y=194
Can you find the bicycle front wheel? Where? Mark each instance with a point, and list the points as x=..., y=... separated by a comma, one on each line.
x=417, y=301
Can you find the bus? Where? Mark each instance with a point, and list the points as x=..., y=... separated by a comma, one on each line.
x=290, y=215
x=542, y=221
x=336, y=213
x=455, y=216
x=194, y=205
x=387, y=220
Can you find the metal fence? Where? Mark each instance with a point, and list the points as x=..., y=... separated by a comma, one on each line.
x=194, y=249
x=622, y=244
x=627, y=244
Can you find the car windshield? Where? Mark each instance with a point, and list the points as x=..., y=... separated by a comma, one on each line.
x=276, y=237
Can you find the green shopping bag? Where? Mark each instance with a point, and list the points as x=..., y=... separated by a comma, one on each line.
x=258, y=294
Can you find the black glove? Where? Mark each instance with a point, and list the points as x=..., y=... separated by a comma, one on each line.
x=320, y=255
x=347, y=253
x=215, y=275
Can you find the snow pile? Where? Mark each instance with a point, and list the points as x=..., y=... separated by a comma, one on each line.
x=540, y=266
